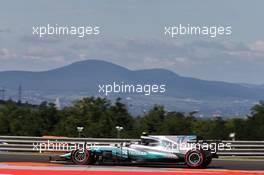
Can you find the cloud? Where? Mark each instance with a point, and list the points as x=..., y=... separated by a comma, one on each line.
x=37, y=40
x=37, y=52
x=6, y=54
x=153, y=53
x=257, y=46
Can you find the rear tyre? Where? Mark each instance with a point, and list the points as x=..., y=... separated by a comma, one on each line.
x=195, y=159
x=81, y=157
x=208, y=161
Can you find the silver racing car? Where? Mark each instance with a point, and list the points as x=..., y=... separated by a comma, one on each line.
x=160, y=149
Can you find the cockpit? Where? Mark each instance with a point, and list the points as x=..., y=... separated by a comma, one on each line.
x=148, y=141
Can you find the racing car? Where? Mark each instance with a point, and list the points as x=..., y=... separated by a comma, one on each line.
x=160, y=149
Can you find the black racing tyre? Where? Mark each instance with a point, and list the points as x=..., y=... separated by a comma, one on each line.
x=207, y=161
x=195, y=159
x=81, y=157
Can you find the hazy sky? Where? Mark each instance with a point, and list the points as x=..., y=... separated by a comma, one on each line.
x=132, y=35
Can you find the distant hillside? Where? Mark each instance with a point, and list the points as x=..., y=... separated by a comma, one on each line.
x=86, y=75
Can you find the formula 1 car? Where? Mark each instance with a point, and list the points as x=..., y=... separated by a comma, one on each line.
x=160, y=149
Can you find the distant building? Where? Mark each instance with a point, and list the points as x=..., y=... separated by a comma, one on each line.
x=57, y=103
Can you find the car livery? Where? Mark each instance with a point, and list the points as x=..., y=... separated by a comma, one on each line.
x=160, y=149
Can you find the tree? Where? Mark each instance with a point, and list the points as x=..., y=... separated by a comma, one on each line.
x=152, y=122
x=238, y=126
x=202, y=128
x=47, y=114
x=255, y=122
x=98, y=117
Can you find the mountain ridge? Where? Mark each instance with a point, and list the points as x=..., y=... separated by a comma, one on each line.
x=88, y=74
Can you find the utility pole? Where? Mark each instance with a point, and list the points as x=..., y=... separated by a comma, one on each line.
x=19, y=94
x=118, y=129
x=2, y=94
x=80, y=129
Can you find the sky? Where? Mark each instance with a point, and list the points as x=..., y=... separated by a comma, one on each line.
x=132, y=35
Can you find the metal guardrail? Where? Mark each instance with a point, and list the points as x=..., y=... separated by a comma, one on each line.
x=47, y=144
x=52, y=144
x=243, y=148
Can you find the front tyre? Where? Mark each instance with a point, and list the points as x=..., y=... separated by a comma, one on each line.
x=195, y=159
x=81, y=157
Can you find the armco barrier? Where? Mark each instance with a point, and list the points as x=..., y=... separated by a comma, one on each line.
x=244, y=148
x=52, y=144
x=31, y=144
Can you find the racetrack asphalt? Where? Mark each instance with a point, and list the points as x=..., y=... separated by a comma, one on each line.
x=36, y=164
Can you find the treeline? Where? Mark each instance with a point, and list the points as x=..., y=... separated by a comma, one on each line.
x=99, y=117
